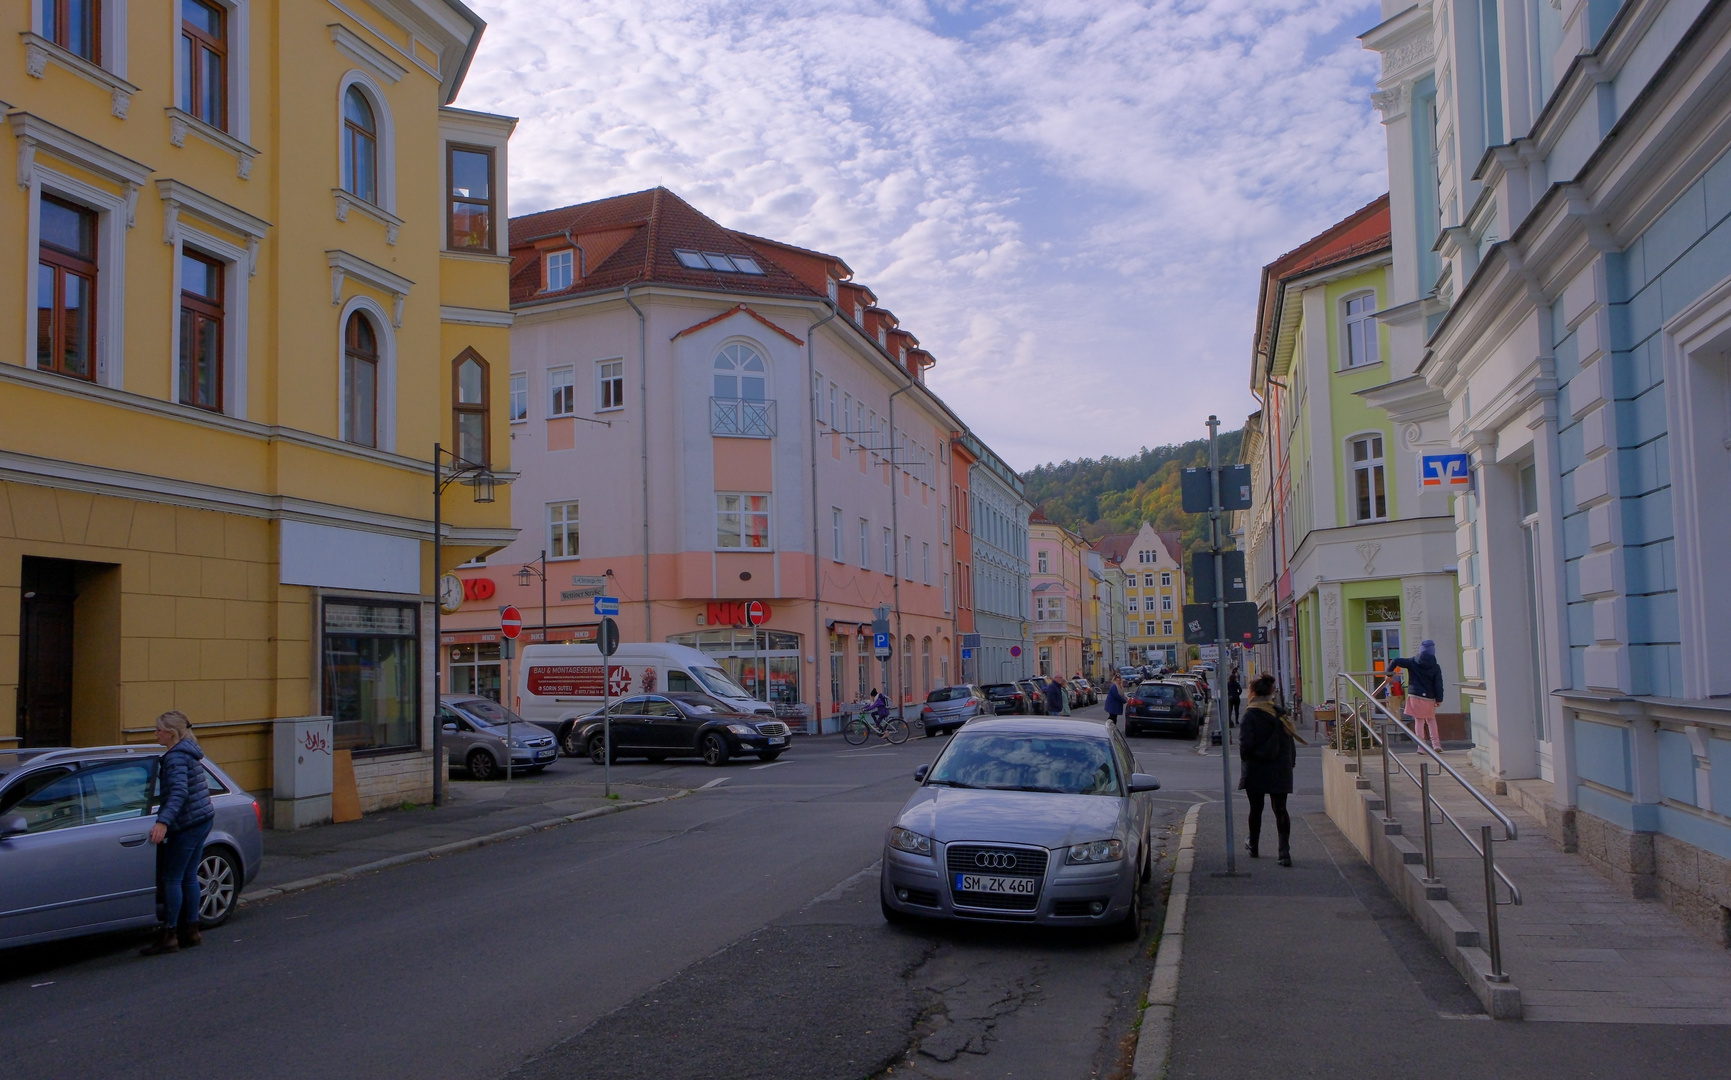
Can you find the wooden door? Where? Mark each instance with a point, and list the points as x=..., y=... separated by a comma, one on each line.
x=45, y=654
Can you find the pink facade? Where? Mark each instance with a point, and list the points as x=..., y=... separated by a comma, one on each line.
x=695, y=442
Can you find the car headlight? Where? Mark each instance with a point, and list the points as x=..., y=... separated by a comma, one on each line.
x=1096, y=852
x=519, y=744
x=742, y=729
x=911, y=842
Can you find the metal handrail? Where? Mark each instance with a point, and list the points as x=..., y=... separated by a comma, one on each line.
x=1355, y=710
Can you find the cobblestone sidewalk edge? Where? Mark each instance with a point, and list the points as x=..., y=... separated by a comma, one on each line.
x=468, y=844
x=1154, y=1042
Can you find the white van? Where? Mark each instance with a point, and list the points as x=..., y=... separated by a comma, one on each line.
x=558, y=683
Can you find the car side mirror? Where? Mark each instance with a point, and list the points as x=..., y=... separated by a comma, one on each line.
x=452, y=728
x=1141, y=781
x=16, y=825
x=919, y=774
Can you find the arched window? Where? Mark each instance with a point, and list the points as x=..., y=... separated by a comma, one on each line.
x=360, y=146
x=361, y=381
x=926, y=663
x=741, y=374
x=907, y=667
x=469, y=412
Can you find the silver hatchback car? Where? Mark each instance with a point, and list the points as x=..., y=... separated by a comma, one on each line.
x=1024, y=819
x=949, y=707
x=75, y=851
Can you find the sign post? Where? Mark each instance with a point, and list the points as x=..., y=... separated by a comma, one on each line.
x=607, y=640
x=755, y=614
x=510, y=625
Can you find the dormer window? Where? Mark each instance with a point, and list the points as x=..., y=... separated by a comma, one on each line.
x=715, y=260
x=883, y=337
x=559, y=266
x=834, y=290
x=859, y=314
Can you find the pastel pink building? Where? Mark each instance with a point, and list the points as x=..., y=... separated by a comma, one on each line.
x=703, y=418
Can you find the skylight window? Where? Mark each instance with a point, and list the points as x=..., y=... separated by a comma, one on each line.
x=715, y=260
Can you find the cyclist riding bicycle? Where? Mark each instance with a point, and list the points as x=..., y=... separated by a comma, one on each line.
x=880, y=708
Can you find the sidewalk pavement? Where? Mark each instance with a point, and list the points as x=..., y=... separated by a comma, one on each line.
x=1577, y=948
x=1316, y=971
x=475, y=813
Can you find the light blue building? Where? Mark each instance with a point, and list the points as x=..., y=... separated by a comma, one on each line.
x=998, y=515
x=1560, y=193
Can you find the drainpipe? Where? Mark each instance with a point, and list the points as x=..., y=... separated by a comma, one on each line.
x=1265, y=400
x=643, y=424
x=582, y=258
x=817, y=634
x=896, y=548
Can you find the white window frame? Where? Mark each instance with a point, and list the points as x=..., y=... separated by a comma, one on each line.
x=183, y=208
x=571, y=519
x=115, y=217
x=601, y=380
x=564, y=258
x=385, y=140
x=1373, y=465
x=386, y=402
x=108, y=72
x=1165, y=627
x=865, y=544
x=926, y=563
x=835, y=551
x=1365, y=323
x=832, y=408
x=907, y=557
x=238, y=135
x=519, y=395
x=1165, y=578
x=889, y=551
x=768, y=513
x=1166, y=603
x=553, y=388
x=1133, y=605
x=1044, y=562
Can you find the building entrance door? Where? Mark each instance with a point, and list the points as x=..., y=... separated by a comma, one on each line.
x=45, y=653
x=1382, y=633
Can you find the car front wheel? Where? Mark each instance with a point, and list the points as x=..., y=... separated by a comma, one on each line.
x=218, y=887
x=481, y=765
x=714, y=749
x=571, y=744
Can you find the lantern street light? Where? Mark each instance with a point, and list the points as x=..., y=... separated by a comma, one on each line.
x=481, y=480
x=527, y=573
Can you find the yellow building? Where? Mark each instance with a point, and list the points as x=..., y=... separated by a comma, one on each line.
x=251, y=271
x=1154, y=594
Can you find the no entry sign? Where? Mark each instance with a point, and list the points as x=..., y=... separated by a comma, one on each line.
x=510, y=622
x=756, y=613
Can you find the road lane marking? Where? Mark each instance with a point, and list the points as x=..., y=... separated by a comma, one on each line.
x=717, y=782
x=767, y=765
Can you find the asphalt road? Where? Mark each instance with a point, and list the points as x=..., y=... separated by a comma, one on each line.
x=732, y=933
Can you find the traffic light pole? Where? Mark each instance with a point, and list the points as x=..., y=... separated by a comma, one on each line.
x=1214, y=512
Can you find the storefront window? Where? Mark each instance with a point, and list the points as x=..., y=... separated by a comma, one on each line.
x=837, y=666
x=475, y=669
x=368, y=661
x=744, y=655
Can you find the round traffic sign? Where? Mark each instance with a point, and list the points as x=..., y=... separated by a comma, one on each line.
x=756, y=613
x=1015, y=650
x=510, y=622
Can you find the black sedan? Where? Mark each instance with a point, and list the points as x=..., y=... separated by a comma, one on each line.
x=1162, y=707
x=1035, y=689
x=660, y=726
x=1007, y=697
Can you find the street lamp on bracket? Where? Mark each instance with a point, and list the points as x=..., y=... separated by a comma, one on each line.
x=481, y=479
x=526, y=574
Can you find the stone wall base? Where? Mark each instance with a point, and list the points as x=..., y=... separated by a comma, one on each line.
x=1624, y=857
x=393, y=780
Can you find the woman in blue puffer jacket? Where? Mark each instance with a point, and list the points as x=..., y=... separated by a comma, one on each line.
x=182, y=823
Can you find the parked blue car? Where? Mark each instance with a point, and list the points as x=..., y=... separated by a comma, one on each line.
x=75, y=851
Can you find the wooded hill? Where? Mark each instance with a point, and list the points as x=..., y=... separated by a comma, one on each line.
x=1114, y=494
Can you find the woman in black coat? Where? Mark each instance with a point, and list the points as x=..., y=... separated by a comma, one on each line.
x=1268, y=751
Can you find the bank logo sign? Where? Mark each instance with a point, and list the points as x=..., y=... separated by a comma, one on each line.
x=1445, y=472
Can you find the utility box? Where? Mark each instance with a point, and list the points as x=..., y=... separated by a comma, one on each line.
x=303, y=758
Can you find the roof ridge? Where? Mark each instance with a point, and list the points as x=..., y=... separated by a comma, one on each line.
x=654, y=224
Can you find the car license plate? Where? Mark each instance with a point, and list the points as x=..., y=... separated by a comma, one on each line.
x=777, y=740
x=543, y=753
x=992, y=883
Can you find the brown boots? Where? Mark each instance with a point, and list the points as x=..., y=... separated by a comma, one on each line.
x=167, y=941
x=173, y=939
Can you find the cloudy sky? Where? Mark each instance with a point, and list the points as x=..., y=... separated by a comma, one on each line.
x=1067, y=202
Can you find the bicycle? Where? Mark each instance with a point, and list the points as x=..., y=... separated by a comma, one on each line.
x=893, y=730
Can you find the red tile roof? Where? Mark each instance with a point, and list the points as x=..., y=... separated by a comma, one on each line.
x=1174, y=541
x=655, y=223
x=1362, y=232
x=1115, y=546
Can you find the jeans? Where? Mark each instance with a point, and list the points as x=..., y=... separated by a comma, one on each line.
x=1282, y=820
x=177, y=874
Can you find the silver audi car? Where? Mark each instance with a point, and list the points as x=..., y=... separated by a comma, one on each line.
x=1024, y=819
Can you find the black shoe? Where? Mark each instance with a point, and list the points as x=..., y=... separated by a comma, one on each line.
x=1250, y=846
x=1286, y=858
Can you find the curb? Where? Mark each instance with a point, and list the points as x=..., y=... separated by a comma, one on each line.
x=452, y=848
x=1154, y=1043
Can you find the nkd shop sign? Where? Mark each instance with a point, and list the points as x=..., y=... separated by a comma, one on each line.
x=733, y=612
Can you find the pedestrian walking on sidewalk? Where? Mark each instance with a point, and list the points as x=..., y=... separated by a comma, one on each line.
x=1057, y=697
x=182, y=823
x=1234, y=691
x=1268, y=752
x=1424, y=690
x=1114, y=701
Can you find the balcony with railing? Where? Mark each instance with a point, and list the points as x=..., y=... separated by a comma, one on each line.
x=741, y=417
